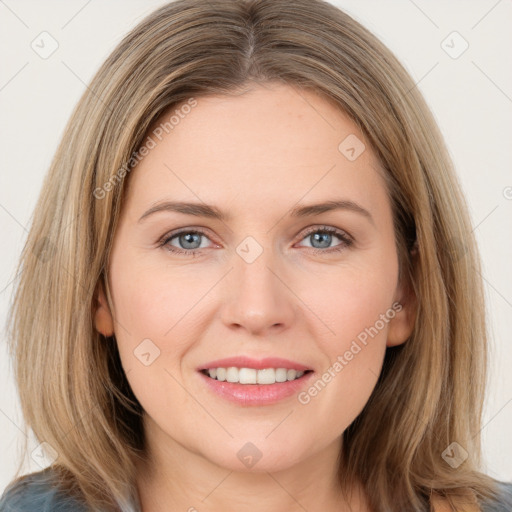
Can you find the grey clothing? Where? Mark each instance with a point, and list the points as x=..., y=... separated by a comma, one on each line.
x=35, y=492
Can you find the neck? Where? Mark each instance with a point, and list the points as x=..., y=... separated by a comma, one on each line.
x=172, y=477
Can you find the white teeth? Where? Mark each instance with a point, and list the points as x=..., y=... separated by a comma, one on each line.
x=281, y=375
x=247, y=375
x=253, y=376
x=232, y=374
x=267, y=376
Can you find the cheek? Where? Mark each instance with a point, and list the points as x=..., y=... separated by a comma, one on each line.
x=151, y=310
x=151, y=338
x=150, y=301
x=351, y=300
x=355, y=306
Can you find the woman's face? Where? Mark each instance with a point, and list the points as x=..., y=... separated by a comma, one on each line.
x=261, y=282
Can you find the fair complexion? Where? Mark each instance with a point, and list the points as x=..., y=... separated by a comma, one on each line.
x=255, y=156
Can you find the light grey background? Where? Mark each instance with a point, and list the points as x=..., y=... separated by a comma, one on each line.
x=471, y=97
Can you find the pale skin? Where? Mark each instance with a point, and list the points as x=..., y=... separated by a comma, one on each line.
x=255, y=156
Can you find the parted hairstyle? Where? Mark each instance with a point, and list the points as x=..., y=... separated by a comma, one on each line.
x=73, y=391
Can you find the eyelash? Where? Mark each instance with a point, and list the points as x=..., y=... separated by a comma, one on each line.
x=346, y=240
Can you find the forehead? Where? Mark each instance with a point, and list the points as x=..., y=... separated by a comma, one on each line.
x=272, y=143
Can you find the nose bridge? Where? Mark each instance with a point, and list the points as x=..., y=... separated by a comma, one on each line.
x=258, y=299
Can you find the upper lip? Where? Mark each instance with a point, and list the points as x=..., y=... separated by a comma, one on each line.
x=258, y=364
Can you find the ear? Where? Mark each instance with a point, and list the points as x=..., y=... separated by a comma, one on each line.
x=401, y=326
x=103, y=320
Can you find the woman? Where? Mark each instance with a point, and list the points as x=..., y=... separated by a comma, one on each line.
x=251, y=370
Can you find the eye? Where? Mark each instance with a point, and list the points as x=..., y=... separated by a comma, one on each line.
x=189, y=240
x=322, y=238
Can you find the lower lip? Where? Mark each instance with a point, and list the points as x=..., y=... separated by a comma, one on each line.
x=256, y=394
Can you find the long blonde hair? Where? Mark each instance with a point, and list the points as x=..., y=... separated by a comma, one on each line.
x=73, y=391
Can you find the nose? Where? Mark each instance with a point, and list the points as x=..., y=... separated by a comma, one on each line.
x=258, y=298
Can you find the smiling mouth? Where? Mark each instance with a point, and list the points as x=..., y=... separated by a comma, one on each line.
x=252, y=376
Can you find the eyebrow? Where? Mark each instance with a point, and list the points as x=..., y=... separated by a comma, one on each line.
x=210, y=211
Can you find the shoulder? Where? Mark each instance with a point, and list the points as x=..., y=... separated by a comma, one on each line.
x=503, y=502
x=37, y=491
